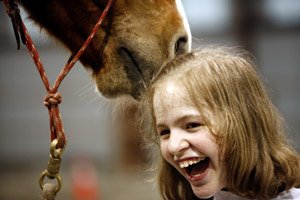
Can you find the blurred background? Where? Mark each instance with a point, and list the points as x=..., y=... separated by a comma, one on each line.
x=270, y=29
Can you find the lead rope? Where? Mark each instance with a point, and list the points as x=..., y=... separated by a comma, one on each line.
x=52, y=99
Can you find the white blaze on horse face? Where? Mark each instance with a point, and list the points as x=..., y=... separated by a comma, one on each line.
x=185, y=22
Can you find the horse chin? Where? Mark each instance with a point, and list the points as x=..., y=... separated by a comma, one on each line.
x=124, y=72
x=112, y=92
x=117, y=80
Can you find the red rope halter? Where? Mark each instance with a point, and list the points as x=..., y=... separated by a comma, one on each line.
x=53, y=98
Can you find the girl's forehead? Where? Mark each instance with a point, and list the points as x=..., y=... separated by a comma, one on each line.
x=169, y=89
x=170, y=94
x=169, y=108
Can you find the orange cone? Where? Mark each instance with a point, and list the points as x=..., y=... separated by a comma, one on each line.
x=85, y=185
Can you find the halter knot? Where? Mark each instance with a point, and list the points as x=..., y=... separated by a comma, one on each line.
x=52, y=99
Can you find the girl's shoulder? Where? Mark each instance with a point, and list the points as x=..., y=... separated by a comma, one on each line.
x=292, y=194
x=224, y=195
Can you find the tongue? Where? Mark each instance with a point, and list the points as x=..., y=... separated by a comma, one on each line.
x=199, y=168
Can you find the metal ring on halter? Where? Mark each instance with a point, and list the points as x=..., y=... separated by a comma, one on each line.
x=53, y=167
x=56, y=153
x=56, y=176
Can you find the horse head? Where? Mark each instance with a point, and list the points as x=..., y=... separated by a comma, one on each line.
x=136, y=38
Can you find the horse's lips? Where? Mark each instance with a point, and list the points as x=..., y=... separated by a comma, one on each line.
x=133, y=70
x=130, y=61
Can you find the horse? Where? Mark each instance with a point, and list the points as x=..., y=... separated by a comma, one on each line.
x=136, y=38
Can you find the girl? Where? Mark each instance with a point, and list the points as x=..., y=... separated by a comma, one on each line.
x=220, y=135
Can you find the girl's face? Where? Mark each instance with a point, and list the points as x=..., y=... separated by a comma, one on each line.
x=186, y=143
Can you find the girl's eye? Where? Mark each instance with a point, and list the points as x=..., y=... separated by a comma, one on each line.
x=193, y=125
x=164, y=132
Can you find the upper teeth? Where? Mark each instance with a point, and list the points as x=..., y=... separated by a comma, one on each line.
x=189, y=162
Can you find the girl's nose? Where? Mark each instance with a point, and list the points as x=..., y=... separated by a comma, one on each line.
x=177, y=143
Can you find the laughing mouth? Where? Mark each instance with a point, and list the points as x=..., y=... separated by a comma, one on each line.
x=195, y=167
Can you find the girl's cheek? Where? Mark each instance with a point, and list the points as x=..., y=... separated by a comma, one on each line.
x=164, y=151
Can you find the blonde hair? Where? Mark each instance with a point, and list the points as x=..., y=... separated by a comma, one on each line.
x=224, y=85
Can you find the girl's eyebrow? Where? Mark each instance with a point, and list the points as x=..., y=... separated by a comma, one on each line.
x=180, y=119
x=186, y=117
x=160, y=126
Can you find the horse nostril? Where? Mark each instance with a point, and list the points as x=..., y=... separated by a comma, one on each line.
x=181, y=46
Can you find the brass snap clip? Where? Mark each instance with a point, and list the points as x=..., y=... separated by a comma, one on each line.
x=52, y=171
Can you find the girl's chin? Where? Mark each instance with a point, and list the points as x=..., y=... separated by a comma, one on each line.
x=203, y=194
x=207, y=191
